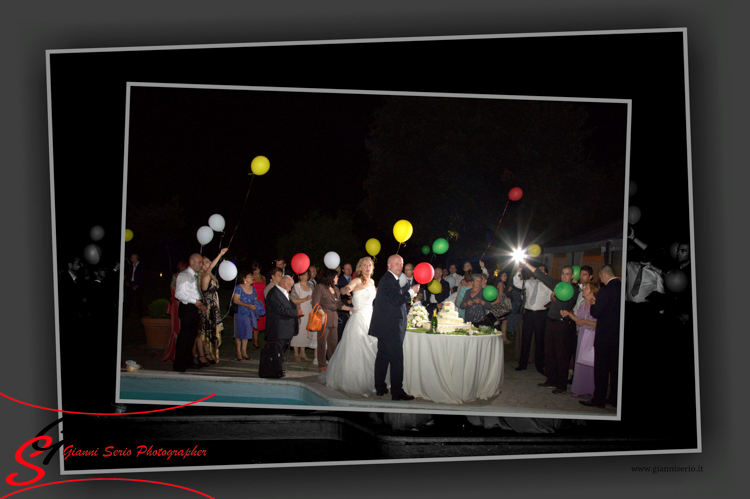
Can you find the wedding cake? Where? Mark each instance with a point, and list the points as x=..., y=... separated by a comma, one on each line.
x=417, y=317
x=448, y=319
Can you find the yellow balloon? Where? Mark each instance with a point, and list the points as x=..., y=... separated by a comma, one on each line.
x=535, y=250
x=128, y=235
x=402, y=231
x=435, y=287
x=260, y=165
x=372, y=246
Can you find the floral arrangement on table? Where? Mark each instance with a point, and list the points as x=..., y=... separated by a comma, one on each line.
x=418, y=317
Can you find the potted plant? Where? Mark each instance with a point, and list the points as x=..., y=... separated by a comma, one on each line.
x=158, y=325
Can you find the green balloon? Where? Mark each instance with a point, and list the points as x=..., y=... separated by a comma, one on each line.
x=490, y=293
x=440, y=246
x=564, y=291
x=426, y=249
x=576, y=272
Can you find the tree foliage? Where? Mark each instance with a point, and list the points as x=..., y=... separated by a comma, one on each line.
x=316, y=234
x=156, y=222
x=447, y=164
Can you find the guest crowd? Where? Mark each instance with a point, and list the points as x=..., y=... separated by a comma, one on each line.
x=575, y=341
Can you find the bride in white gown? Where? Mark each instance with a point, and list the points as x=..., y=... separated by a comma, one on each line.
x=352, y=366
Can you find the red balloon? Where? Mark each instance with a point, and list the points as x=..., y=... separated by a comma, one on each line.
x=300, y=263
x=515, y=194
x=676, y=281
x=424, y=272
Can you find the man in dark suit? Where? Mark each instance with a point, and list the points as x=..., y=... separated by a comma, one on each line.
x=388, y=325
x=281, y=314
x=606, y=311
x=71, y=294
x=134, y=287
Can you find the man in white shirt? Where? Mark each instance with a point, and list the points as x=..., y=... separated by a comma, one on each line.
x=534, y=319
x=190, y=308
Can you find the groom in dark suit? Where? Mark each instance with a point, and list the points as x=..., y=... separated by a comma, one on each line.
x=281, y=314
x=388, y=325
x=606, y=309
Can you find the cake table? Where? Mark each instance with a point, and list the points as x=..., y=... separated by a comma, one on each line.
x=453, y=369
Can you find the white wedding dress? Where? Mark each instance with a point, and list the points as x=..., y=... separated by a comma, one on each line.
x=352, y=366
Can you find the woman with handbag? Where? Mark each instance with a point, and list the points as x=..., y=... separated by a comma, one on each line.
x=326, y=294
x=583, y=374
x=301, y=296
x=474, y=304
x=249, y=309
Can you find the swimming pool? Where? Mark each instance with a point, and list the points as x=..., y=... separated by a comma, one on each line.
x=139, y=386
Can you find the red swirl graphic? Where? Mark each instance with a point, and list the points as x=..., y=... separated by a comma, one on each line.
x=121, y=479
x=105, y=413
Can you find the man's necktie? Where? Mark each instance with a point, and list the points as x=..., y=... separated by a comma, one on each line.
x=533, y=293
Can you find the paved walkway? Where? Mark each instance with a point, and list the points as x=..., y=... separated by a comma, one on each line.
x=520, y=395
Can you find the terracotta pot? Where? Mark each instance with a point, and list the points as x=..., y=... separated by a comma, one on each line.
x=157, y=331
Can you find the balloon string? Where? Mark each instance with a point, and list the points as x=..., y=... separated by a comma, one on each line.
x=231, y=301
x=252, y=177
x=399, y=248
x=201, y=251
x=495, y=231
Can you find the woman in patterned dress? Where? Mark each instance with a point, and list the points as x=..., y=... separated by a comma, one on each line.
x=210, y=326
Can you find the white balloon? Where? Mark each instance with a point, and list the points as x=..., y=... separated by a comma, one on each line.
x=332, y=260
x=216, y=222
x=205, y=234
x=227, y=270
x=92, y=253
x=97, y=232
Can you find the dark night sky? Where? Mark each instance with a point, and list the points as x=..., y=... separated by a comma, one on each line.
x=198, y=144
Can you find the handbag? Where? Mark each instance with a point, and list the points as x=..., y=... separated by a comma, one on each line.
x=317, y=320
x=503, y=307
x=586, y=348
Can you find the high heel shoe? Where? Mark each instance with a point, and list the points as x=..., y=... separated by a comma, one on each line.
x=204, y=364
x=210, y=359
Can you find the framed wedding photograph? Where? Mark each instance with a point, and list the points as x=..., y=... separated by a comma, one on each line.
x=592, y=128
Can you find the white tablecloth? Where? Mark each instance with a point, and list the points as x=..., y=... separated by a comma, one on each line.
x=453, y=369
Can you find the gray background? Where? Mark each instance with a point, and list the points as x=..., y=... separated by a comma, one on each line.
x=716, y=58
